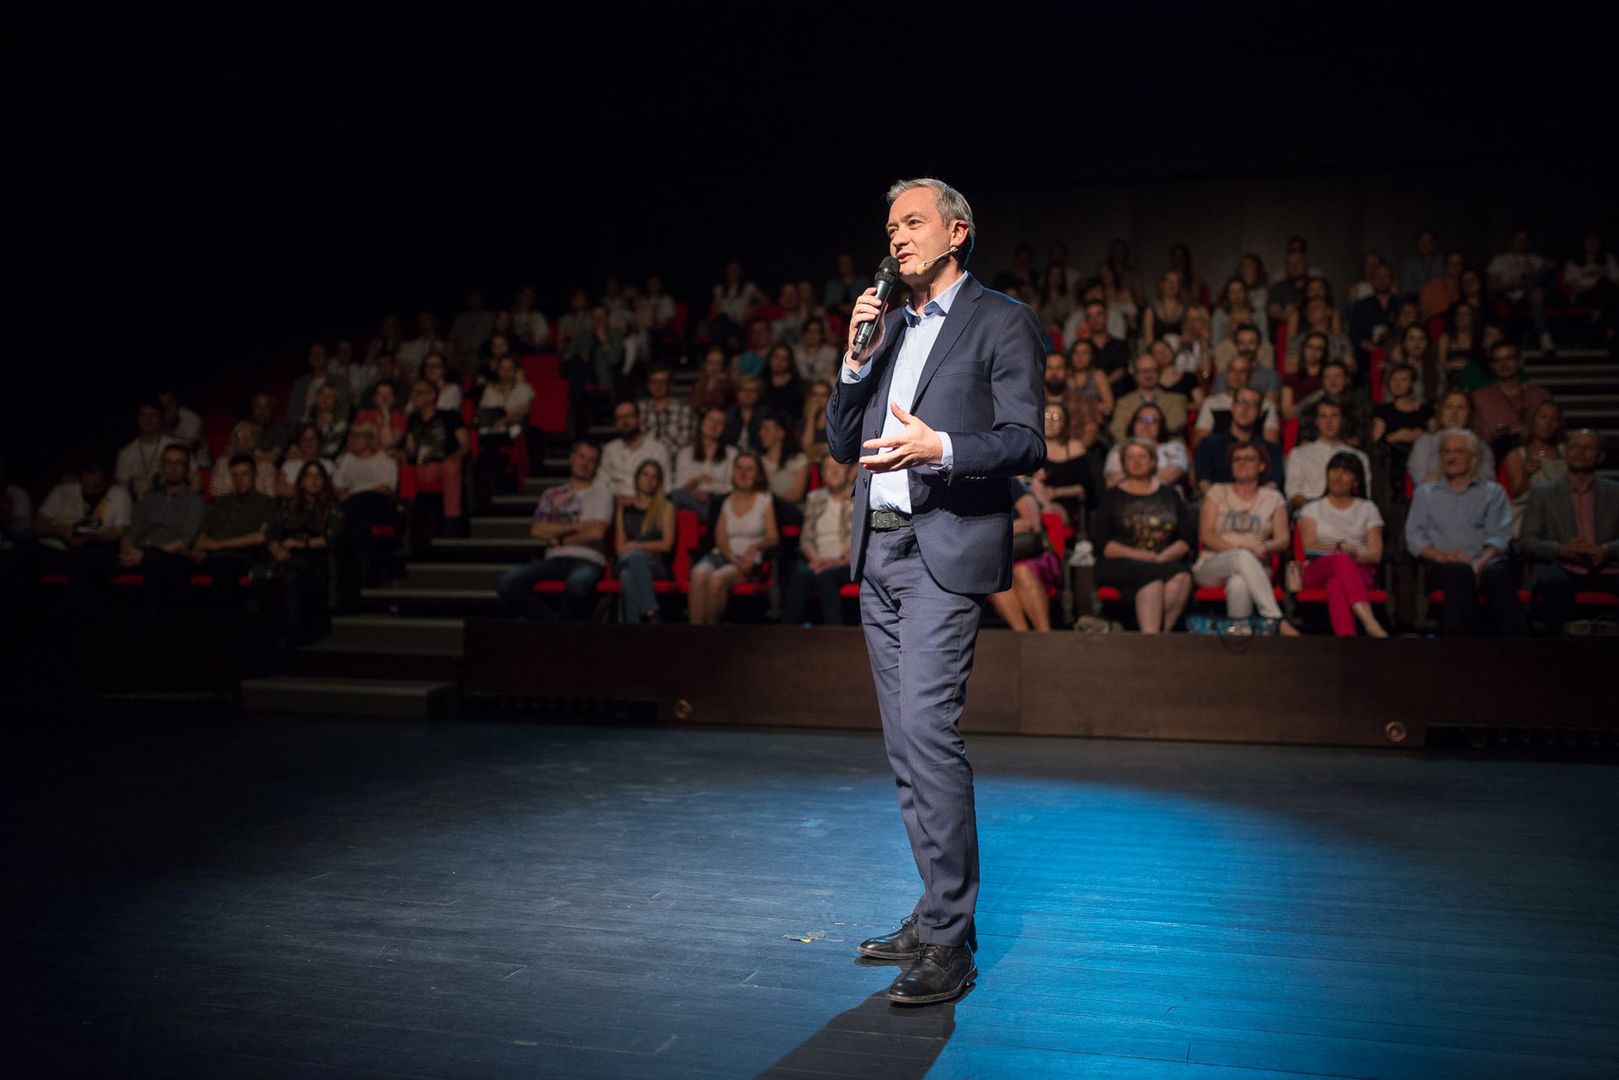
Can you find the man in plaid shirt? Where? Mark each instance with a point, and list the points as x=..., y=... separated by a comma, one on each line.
x=665, y=418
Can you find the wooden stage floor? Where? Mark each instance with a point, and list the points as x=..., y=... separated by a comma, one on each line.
x=209, y=895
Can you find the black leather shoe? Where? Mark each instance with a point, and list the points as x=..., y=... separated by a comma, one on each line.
x=940, y=973
x=902, y=944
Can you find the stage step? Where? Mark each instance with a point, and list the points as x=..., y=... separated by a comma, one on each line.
x=482, y=548
x=536, y=485
x=513, y=505
x=454, y=575
x=401, y=598
x=350, y=697
x=372, y=633
x=508, y=527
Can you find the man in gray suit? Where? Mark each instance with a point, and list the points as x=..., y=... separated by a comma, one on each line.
x=1571, y=529
x=944, y=402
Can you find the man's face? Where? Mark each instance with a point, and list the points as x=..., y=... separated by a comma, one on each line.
x=1056, y=370
x=422, y=397
x=582, y=462
x=1096, y=319
x=1247, y=343
x=1147, y=372
x=657, y=385
x=1296, y=264
x=1382, y=278
x=241, y=479
x=175, y=467
x=148, y=420
x=1334, y=379
x=1582, y=452
x=627, y=421
x=1453, y=265
x=1456, y=457
x=759, y=337
x=1505, y=363
x=261, y=410
x=748, y=394
x=1237, y=372
x=916, y=233
x=1245, y=409
x=93, y=484
x=1329, y=420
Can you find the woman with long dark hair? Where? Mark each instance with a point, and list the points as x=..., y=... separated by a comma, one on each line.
x=301, y=538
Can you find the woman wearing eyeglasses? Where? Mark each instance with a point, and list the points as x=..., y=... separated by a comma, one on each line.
x=1148, y=423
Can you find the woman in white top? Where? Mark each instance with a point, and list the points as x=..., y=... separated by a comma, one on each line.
x=786, y=470
x=1148, y=423
x=449, y=393
x=1342, y=536
x=815, y=356
x=304, y=449
x=703, y=469
x=1538, y=461
x=746, y=529
x=1240, y=526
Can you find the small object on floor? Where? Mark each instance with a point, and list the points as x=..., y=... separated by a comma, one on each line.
x=939, y=973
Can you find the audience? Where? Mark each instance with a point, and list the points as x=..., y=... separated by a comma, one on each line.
x=330, y=420
x=1215, y=414
x=786, y=469
x=1306, y=471
x=80, y=527
x=365, y=483
x=436, y=443
x=1540, y=460
x=812, y=423
x=1171, y=406
x=305, y=449
x=301, y=401
x=1571, y=534
x=1461, y=352
x=823, y=547
x=137, y=464
x=1460, y=529
x=1520, y=278
x=703, y=469
x=234, y=530
x=644, y=538
x=163, y=529
x=1342, y=537
x=1455, y=411
x=1143, y=530
x=1336, y=389
x=1213, y=465
x=744, y=534
x=383, y=413
x=1245, y=342
x=742, y=419
x=1242, y=524
x=502, y=418
x=1371, y=319
x=1071, y=481
x=1499, y=410
x=621, y=458
x=665, y=418
x=1026, y=605
x=783, y=390
x=1592, y=280
x=1399, y=422
x=1148, y=424
x=298, y=538
x=274, y=435
x=243, y=439
x=816, y=357
x=184, y=425
x=572, y=519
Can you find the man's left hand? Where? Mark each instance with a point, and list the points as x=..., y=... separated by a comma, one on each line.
x=914, y=444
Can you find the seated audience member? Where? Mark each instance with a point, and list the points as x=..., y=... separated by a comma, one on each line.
x=1319, y=318
x=1056, y=376
x=823, y=547
x=1215, y=415
x=1233, y=309
x=816, y=357
x=1306, y=472
x=573, y=519
x=274, y=435
x=1571, y=533
x=185, y=425
x=137, y=463
x=750, y=362
x=786, y=469
x=1400, y=421
x=244, y=439
x=1111, y=353
x=1342, y=537
x=330, y=418
x=411, y=352
x=299, y=537
x=1592, y=281
x=1334, y=387
x=1520, y=278
x=384, y=369
x=713, y=388
x=742, y=419
x=529, y=323
x=783, y=392
x=812, y=423
x=1371, y=320
x=1241, y=525
x=1540, y=460
x=366, y=483
x=435, y=370
x=623, y=456
x=301, y=402
x=1500, y=409
x=1148, y=423
x=644, y=537
x=1172, y=407
x=744, y=535
x=1304, y=378
x=1071, y=481
x=363, y=375
x=1213, y=464
x=436, y=443
x=1461, y=353
x=80, y=527
x=234, y=530
x=665, y=418
x=502, y=417
x=1025, y=606
x=498, y=347
x=1089, y=400
x=1455, y=411
x=1245, y=342
x=703, y=469
x=162, y=530
x=305, y=449
x=1439, y=293
x=384, y=414
x=1143, y=530
x=1187, y=368
x=1460, y=529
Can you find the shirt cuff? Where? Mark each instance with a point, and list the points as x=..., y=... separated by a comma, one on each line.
x=947, y=455
x=853, y=376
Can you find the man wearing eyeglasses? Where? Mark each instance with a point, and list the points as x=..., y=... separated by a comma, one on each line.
x=1148, y=392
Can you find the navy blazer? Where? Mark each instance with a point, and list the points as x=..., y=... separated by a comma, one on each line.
x=984, y=385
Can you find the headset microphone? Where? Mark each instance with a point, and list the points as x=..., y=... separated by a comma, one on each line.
x=928, y=265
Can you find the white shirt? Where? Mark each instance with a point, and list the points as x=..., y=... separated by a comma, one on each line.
x=715, y=475
x=1307, y=467
x=892, y=490
x=355, y=473
x=1351, y=524
x=619, y=462
x=138, y=462
x=65, y=505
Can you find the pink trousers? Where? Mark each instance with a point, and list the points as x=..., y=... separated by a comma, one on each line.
x=1347, y=583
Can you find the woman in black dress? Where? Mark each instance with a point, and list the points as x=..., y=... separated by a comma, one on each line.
x=1144, y=532
x=301, y=540
x=1071, y=481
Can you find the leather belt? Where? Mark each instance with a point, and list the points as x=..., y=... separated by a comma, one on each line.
x=885, y=520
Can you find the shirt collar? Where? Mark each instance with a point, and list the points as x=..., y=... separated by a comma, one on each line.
x=939, y=305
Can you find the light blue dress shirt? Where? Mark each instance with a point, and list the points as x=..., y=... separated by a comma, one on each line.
x=1465, y=520
x=892, y=490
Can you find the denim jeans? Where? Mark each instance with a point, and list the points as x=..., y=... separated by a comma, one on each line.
x=636, y=572
x=579, y=578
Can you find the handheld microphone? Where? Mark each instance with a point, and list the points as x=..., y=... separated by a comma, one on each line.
x=951, y=250
x=886, y=278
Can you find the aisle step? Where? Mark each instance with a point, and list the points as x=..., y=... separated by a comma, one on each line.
x=502, y=527
x=454, y=575
x=420, y=700
x=429, y=636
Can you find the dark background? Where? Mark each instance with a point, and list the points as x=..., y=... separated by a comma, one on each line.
x=205, y=197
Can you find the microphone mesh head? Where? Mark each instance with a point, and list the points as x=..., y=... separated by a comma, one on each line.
x=888, y=269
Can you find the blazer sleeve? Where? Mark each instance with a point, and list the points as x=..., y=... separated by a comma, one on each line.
x=1536, y=537
x=1016, y=444
x=846, y=408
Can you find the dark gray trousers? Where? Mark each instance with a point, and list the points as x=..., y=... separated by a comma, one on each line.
x=921, y=639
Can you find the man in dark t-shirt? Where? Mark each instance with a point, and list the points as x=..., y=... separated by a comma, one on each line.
x=435, y=442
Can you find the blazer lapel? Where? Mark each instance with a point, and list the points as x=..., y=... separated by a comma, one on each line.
x=961, y=313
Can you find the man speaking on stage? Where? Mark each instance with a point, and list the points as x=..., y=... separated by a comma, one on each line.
x=940, y=402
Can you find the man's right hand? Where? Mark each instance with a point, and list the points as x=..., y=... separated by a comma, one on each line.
x=866, y=308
